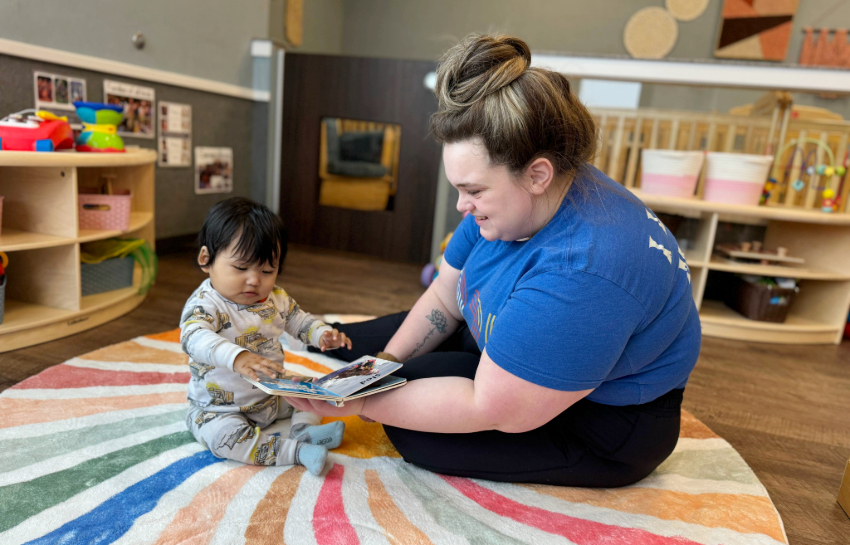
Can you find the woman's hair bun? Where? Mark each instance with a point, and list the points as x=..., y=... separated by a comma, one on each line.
x=478, y=66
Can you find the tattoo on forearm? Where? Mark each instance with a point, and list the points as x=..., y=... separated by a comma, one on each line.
x=440, y=323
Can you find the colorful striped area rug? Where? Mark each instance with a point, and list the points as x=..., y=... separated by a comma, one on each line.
x=95, y=451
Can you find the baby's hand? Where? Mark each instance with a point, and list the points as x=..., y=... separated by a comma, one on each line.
x=333, y=339
x=248, y=364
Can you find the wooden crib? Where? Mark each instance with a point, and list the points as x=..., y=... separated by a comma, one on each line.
x=768, y=130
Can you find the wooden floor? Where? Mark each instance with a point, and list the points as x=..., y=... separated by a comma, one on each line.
x=784, y=408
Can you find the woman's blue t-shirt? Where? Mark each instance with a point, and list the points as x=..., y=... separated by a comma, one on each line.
x=600, y=298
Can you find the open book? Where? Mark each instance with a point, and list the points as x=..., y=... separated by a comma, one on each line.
x=365, y=376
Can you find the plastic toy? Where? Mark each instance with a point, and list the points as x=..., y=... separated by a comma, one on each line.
x=29, y=130
x=100, y=127
x=432, y=270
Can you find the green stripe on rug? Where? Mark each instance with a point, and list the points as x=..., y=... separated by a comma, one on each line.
x=21, y=501
x=714, y=465
x=451, y=518
x=17, y=453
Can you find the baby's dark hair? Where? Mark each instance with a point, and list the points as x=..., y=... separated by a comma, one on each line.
x=261, y=233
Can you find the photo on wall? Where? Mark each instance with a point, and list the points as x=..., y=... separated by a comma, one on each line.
x=175, y=134
x=138, y=104
x=213, y=170
x=56, y=94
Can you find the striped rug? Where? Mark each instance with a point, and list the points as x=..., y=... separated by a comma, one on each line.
x=95, y=451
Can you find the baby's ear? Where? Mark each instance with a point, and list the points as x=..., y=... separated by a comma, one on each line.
x=204, y=258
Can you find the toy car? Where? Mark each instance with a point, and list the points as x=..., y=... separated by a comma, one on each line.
x=29, y=130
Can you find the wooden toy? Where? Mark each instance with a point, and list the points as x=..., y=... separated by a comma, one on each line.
x=752, y=251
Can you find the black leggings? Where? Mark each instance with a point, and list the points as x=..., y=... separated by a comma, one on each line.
x=589, y=444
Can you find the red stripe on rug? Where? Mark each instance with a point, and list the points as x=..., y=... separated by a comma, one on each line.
x=580, y=531
x=330, y=523
x=69, y=376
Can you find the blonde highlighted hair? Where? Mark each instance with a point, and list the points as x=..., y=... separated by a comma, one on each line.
x=487, y=89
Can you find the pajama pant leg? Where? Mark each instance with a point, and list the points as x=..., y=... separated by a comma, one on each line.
x=235, y=437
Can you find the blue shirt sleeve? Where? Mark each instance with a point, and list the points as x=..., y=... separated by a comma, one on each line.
x=463, y=240
x=564, y=329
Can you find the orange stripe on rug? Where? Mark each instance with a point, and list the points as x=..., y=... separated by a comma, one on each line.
x=397, y=528
x=692, y=428
x=196, y=523
x=363, y=439
x=289, y=357
x=172, y=336
x=752, y=514
x=266, y=524
x=20, y=412
x=135, y=353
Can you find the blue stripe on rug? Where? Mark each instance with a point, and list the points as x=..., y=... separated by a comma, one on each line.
x=111, y=519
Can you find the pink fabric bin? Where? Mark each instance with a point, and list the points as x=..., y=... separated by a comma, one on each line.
x=736, y=178
x=104, y=212
x=670, y=172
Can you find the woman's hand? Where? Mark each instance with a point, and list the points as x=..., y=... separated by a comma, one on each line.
x=333, y=339
x=323, y=408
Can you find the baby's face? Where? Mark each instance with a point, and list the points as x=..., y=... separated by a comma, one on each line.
x=238, y=281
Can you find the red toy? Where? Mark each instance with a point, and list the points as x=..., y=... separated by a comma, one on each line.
x=31, y=131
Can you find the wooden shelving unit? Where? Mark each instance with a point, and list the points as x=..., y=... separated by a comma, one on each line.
x=819, y=312
x=42, y=238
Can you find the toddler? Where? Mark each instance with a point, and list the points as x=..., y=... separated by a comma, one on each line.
x=230, y=327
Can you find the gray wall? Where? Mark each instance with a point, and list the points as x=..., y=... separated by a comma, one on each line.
x=424, y=30
x=216, y=121
x=204, y=38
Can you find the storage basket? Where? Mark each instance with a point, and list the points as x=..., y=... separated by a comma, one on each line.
x=736, y=178
x=108, y=275
x=104, y=212
x=765, y=303
x=669, y=172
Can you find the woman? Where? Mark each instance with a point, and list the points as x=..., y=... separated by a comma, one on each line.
x=557, y=340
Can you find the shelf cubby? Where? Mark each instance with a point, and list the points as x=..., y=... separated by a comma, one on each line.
x=819, y=311
x=41, y=236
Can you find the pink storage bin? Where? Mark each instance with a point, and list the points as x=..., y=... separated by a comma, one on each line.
x=670, y=172
x=104, y=212
x=736, y=178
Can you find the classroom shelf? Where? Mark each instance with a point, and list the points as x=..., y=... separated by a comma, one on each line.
x=676, y=205
x=40, y=227
x=137, y=221
x=720, y=264
x=819, y=311
x=718, y=320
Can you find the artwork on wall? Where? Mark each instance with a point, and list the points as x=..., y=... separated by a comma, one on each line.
x=650, y=33
x=175, y=134
x=57, y=94
x=755, y=29
x=213, y=170
x=822, y=51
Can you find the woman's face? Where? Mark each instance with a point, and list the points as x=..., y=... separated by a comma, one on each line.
x=503, y=208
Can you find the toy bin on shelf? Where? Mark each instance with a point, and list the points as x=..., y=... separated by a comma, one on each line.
x=108, y=275
x=736, y=178
x=758, y=301
x=106, y=212
x=671, y=173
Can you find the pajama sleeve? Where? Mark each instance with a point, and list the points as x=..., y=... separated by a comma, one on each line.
x=300, y=324
x=199, y=326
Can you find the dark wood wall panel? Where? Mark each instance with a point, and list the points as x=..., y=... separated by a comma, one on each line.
x=383, y=90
